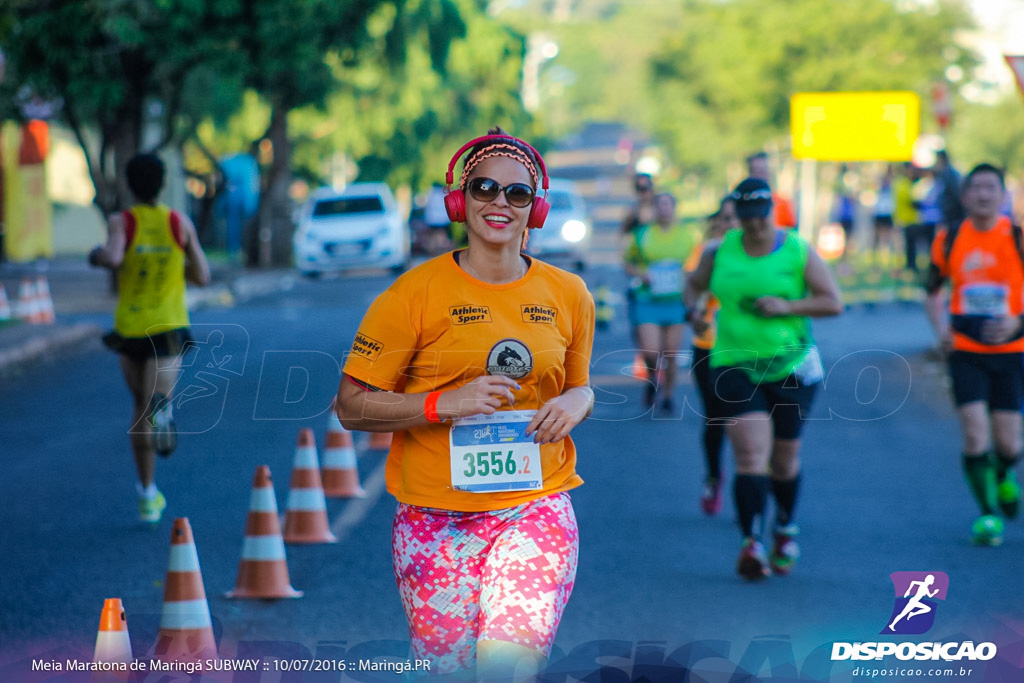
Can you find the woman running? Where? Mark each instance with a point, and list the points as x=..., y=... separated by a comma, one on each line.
x=655, y=257
x=769, y=284
x=479, y=361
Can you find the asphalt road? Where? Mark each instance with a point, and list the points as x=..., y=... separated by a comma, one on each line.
x=656, y=589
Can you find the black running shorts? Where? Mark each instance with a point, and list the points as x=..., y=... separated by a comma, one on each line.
x=787, y=401
x=995, y=378
x=161, y=345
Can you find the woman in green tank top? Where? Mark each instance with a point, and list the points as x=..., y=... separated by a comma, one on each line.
x=655, y=259
x=769, y=284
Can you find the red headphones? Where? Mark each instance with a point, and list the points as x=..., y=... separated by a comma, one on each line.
x=455, y=200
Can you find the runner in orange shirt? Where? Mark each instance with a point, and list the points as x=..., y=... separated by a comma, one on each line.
x=983, y=335
x=713, y=437
x=479, y=361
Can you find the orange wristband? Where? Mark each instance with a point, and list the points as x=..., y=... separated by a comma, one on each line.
x=430, y=407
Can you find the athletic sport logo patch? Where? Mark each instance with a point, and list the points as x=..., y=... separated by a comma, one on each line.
x=469, y=314
x=511, y=358
x=367, y=347
x=916, y=596
x=535, y=313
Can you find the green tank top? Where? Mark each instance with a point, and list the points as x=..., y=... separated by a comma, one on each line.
x=151, y=278
x=662, y=254
x=766, y=348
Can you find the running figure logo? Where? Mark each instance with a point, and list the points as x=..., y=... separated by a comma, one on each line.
x=916, y=595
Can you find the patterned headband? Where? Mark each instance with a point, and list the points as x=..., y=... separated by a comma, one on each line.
x=500, y=149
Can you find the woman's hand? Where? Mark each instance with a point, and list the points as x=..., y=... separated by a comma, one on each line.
x=557, y=417
x=483, y=396
x=773, y=306
x=697, y=321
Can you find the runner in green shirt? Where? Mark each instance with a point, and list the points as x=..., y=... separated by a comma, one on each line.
x=766, y=367
x=655, y=259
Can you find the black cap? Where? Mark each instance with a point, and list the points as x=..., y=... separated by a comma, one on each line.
x=753, y=198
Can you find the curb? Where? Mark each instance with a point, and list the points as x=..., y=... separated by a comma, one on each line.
x=14, y=360
x=52, y=341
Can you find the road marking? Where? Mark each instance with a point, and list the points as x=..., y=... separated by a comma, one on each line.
x=358, y=508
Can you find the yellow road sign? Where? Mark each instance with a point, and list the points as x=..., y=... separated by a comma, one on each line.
x=854, y=126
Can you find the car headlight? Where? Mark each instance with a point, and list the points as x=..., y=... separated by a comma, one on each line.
x=574, y=230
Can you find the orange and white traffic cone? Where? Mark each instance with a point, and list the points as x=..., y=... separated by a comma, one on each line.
x=640, y=370
x=113, y=646
x=305, y=517
x=28, y=310
x=44, y=302
x=5, y=305
x=186, y=630
x=263, y=571
x=379, y=441
x=338, y=470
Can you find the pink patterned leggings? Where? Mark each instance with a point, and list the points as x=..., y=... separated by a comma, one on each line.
x=500, y=575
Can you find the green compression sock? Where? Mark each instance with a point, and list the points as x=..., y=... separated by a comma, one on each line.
x=981, y=478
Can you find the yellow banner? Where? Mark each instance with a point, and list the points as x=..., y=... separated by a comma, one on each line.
x=28, y=213
x=854, y=126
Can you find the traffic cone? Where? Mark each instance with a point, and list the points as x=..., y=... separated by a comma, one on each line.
x=186, y=630
x=338, y=470
x=27, y=308
x=305, y=519
x=379, y=441
x=112, y=643
x=640, y=367
x=44, y=302
x=5, y=305
x=263, y=571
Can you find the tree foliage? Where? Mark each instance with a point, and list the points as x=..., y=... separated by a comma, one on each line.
x=127, y=71
x=312, y=76
x=725, y=80
x=711, y=79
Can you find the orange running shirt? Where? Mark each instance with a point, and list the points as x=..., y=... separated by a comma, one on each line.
x=986, y=278
x=437, y=328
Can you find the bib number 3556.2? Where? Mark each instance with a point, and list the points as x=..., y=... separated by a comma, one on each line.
x=492, y=453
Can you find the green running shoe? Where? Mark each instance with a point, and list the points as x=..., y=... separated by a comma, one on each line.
x=1008, y=495
x=151, y=509
x=786, y=551
x=987, y=530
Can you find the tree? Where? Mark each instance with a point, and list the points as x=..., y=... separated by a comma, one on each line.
x=726, y=91
x=127, y=72
x=711, y=79
x=289, y=47
x=137, y=74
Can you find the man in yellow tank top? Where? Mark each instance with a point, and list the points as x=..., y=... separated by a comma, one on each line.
x=154, y=250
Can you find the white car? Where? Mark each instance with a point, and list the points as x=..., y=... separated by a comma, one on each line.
x=359, y=227
x=566, y=235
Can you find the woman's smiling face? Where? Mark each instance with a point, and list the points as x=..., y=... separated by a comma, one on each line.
x=497, y=221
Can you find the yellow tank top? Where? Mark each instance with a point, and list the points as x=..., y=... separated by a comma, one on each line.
x=151, y=279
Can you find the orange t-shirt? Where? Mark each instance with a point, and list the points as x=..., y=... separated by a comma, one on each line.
x=437, y=328
x=986, y=278
x=782, y=211
x=707, y=340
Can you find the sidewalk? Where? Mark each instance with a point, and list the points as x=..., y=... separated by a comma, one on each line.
x=84, y=303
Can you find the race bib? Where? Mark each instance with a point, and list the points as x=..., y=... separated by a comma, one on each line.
x=492, y=453
x=985, y=298
x=810, y=370
x=666, y=278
